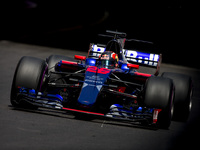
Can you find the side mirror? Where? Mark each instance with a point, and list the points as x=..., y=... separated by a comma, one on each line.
x=130, y=66
x=78, y=57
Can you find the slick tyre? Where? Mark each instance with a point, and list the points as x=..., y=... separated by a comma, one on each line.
x=52, y=60
x=183, y=95
x=29, y=73
x=158, y=93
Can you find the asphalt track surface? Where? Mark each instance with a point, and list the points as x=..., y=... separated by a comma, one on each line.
x=49, y=129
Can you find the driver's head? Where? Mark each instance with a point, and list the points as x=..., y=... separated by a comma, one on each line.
x=109, y=59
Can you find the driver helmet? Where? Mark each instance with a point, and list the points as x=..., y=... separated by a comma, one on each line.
x=109, y=59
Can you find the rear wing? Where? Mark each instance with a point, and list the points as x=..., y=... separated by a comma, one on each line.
x=131, y=56
x=95, y=50
x=142, y=58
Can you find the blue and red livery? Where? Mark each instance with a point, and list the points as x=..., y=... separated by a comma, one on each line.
x=89, y=86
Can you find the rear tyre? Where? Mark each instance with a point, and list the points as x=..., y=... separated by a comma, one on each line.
x=183, y=95
x=52, y=60
x=158, y=93
x=30, y=73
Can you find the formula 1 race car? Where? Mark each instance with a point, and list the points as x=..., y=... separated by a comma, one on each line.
x=104, y=84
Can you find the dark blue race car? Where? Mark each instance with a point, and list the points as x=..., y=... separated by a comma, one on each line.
x=104, y=84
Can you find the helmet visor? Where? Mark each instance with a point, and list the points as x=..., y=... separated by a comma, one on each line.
x=107, y=63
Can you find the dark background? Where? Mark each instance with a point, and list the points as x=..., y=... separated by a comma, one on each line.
x=170, y=24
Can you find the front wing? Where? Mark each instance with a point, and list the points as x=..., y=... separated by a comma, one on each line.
x=116, y=112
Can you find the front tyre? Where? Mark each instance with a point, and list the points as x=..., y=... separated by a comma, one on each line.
x=29, y=73
x=158, y=93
